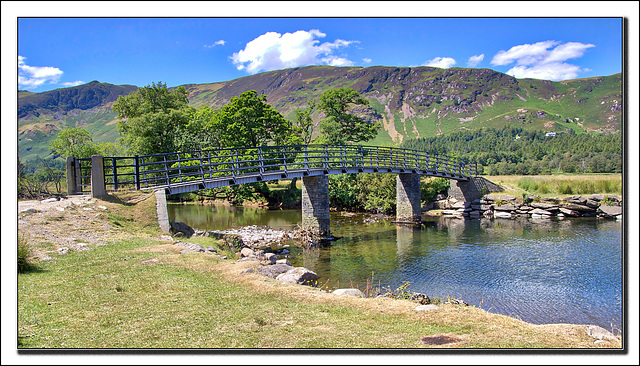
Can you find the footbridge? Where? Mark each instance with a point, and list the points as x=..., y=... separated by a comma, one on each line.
x=181, y=172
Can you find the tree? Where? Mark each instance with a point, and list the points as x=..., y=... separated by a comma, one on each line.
x=75, y=141
x=151, y=118
x=247, y=120
x=303, y=123
x=339, y=126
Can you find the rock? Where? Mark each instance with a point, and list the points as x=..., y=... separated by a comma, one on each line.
x=505, y=208
x=602, y=197
x=188, y=250
x=248, y=259
x=149, y=261
x=299, y=275
x=283, y=261
x=543, y=205
x=246, y=252
x=274, y=271
x=269, y=258
x=610, y=210
x=577, y=207
x=210, y=249
x=576, y=199
x=63, y=250
x=600, y=333
x=350, y=292
x=503, y=197
x=569, y=212
x=592, y=203
x=192, y=246
x=29, y=211
x=181, y=229
x=549, y=199
x=541, y=212
x=248, y=270
x=502, y=215
x=429, y=307
x=49, y=200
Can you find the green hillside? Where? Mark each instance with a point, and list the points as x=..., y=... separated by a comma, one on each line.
x=408, y=102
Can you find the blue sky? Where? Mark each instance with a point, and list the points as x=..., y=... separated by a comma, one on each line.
x=61, y=52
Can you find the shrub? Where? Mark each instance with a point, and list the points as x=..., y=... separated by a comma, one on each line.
x=24, y=255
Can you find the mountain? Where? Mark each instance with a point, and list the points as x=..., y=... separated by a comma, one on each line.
x=408, y=102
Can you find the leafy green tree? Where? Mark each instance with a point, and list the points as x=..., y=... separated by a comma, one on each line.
x=303, y=123
x=152, y=117
x=247, y=120
x=339, y=126
x=74, y=141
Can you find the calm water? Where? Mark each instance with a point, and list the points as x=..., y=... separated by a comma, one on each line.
x=540, y=271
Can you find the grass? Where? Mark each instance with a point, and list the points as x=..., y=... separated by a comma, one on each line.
x=560, y=184
x=114, y=297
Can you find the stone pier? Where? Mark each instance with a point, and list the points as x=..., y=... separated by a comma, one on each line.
x=472, y=189
x=408, y=208
x=315, y=204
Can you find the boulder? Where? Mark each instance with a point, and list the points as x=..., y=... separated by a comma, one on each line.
x=600, y=333
x=283, y=261
x=611, y=211
x=192, y=247
x=269, y=258
x=298, y=275
x=350, y=292
x=248, y=270
x=181, y=229
x=246, y=252
x=274, y=271
x=602, y=197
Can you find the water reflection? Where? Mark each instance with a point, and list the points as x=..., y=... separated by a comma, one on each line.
x=542, y=271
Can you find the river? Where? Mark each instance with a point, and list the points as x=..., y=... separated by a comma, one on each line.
x=540, y=271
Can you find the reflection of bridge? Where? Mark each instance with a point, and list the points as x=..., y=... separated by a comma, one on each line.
x=182, y=172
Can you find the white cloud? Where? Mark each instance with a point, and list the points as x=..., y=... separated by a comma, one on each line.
x=272, y=51
x=367, y=60
x=475, y=60
x=221, y=42
x=30, y=77
x=441, y=62
x=543, y=60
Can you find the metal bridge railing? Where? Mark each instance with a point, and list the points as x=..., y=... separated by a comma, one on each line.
x=167, y=169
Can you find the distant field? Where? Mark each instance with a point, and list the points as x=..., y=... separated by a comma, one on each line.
x=559, y=184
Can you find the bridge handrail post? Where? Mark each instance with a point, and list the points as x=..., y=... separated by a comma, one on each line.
x=306, y=157
x=166, y=169
x=325, y=157
x=284, y=159
x=261, y=162
x=234, y=164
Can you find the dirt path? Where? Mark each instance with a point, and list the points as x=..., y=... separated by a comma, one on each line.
x=74, y=223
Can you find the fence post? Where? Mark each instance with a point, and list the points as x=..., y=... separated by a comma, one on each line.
x=115, y=173
x=98, y=188
x=71, y=175
x=136, y=162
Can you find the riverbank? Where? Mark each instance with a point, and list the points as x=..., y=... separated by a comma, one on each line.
x=134, y=289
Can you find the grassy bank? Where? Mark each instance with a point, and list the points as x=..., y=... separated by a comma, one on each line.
x=559, y=184
x=140, y=292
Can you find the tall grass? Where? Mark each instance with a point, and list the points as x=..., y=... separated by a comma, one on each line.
x=570, y=186
x=24, y=255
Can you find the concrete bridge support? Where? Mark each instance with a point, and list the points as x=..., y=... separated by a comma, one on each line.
x=315, y=205
x=408, y=208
